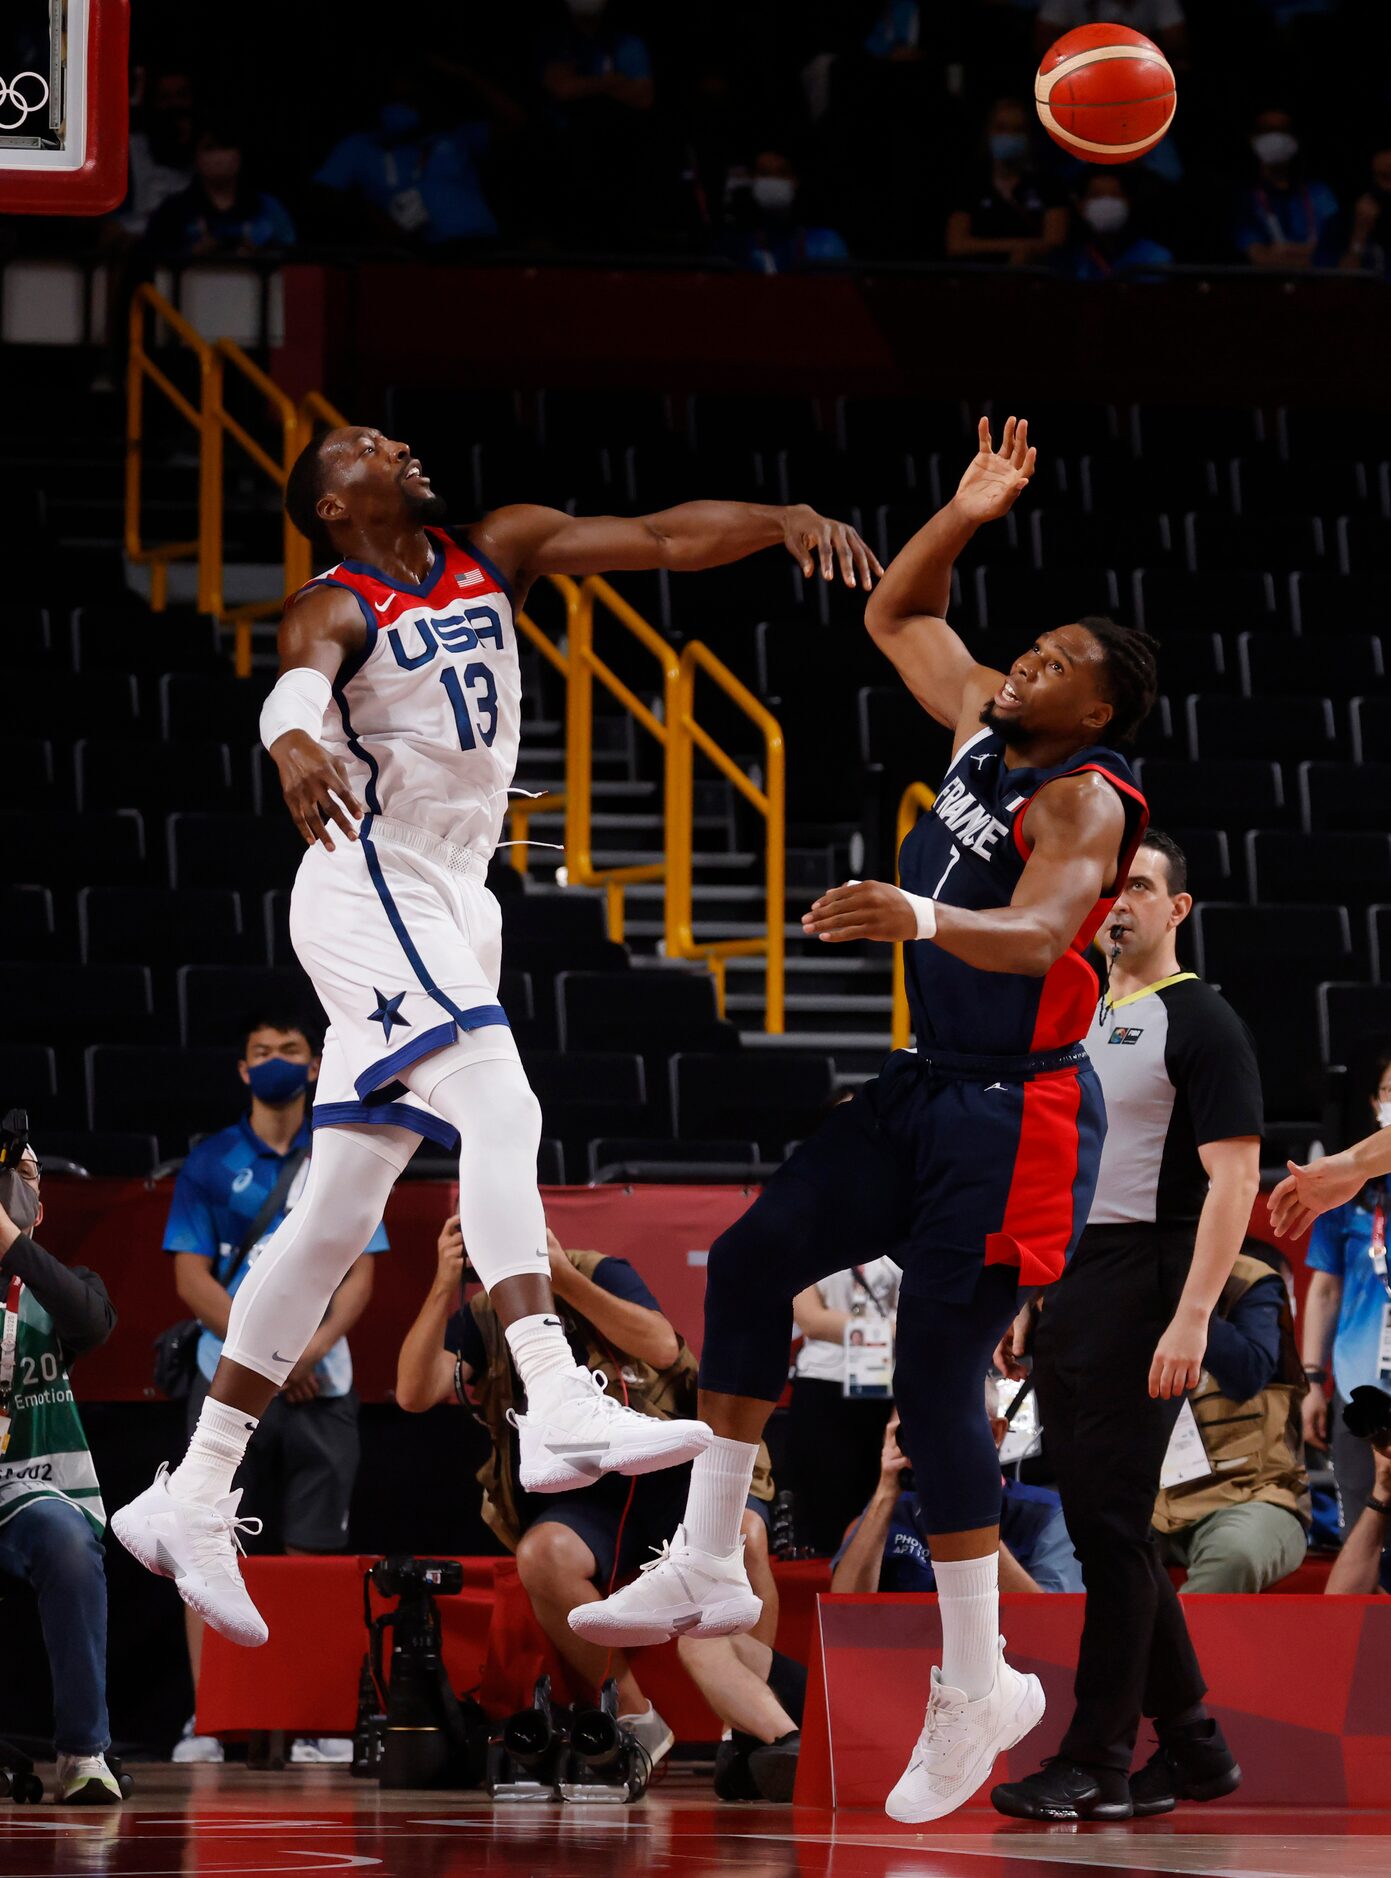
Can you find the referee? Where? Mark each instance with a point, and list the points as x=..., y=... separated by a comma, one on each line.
x=1121, y=1339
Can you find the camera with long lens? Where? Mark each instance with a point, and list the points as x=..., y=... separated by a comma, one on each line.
x=17, y=1197
x=549, y=1752
x=412, y=1730
x=1367, y=1414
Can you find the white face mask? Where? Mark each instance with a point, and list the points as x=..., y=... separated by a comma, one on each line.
x=1106, y=215
x=1275, y=147
x=1384, y=1114
x=774, y=194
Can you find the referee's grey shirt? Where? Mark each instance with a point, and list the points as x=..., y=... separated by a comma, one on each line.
x=1178, y=1069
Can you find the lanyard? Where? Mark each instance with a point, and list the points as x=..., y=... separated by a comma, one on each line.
x=9, y=1340
x=857, y=1276
x=1273, y=223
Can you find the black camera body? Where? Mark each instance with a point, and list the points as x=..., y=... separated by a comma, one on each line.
x=550, y=1752
x=412, y=1730
x=14, y=1139
x=1367, y=1414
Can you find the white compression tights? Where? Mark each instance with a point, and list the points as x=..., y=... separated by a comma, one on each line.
x=282, y=1300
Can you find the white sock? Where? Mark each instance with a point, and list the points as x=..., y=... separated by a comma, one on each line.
x=214, y=1454
x=968, y=1593
x=720, y=1480
x=539, y=1350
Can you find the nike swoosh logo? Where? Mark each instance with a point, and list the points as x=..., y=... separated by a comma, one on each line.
x=276, y=1357
x=382, y=605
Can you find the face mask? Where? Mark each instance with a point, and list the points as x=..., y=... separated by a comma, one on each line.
x=1009, y=146
x=278, y=1081
x=1384, y=1114
x=399, y=120
x=1275, y=147
x=19, y=1199
x=1106, y=215
x=774, y=194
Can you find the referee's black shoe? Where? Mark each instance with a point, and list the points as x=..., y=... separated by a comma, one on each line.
x=1190, y=1763
x=1062, y=1790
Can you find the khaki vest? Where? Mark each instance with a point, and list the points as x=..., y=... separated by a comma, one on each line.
x=1256, y=1447
x=667, y=1393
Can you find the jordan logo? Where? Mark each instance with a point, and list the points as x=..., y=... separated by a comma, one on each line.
x=388, y=1012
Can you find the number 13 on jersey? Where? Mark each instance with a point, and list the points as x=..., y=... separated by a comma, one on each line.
x=479, y=681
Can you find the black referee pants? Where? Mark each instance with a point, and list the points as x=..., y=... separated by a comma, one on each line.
x=1106, y=1439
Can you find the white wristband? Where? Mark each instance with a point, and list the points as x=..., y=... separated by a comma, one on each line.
x=298, y=702
x=924, y=912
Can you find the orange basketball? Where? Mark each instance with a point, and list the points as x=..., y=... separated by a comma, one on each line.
x=1105, y=93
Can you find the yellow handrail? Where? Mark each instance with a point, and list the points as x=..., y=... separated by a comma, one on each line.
x=917, y=799
x=770, y=802
x=229, y=353
x=140, y=367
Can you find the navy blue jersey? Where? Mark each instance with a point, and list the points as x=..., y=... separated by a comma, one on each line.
x=970, y=852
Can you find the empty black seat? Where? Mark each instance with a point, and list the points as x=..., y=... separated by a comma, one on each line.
x=1235, y=795
x=647, y=1011
x=1112, y=482
x=1175, y=431
x=1035, y=601
x=1371, y=729
x=550, y=1163
x=28, y=641
x=1224, y=601
x=275, y=924
x=160, y=927
x=1282, y=729
x=110, y=1152
x=1343, y=668
x=768, y=1097
x=1345, y=796
x=67, y=850
x=133, y=639
x=30, y=764
x=28, y=1079
x=1062, y=540
x=1263, y=485
x=634, y=1153
x=723, y=605
x=26, y=923
x=71, y=1006
x=898, y=736
x=584, y=1093
x=1194, y=661
x=249, y=852
x=216, y=1002
x=871, y=426
x=1214, y=542
x=762, y=420
x=199, y=705
x=1379, y=941
x=1323, y=603
x=558, y=915
x=170, y=1092
x=1322, y=431
x=1364, y=544
x=86, y=706
x=1209, y=855
x=1354, y=1022
x=157, y=778
x=1353, y=870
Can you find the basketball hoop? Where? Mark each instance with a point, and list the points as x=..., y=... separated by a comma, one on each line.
x=64, y=106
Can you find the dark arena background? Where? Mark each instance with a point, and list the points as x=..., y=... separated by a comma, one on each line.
x=610, y=256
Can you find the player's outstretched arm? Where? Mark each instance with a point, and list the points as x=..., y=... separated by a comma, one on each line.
x=907, y=614
x=1317, y=1188
x=320, y=630
x=1075, y=825
x=526, y=541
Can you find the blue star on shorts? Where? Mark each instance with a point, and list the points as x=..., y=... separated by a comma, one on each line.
x=388, y=1012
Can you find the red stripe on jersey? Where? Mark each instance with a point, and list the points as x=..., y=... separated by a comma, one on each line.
x=1038, y=1225
x=458, y=583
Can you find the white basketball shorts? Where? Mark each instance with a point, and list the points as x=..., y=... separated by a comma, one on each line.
x=403, y=943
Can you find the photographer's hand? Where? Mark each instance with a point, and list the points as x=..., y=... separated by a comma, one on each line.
x=449, y=1271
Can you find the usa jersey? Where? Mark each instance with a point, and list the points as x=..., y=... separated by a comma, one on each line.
x=426, y=718
x=970, y=852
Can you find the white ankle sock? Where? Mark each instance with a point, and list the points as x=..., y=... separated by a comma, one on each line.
x=968, y=1593
x=539, y=1350
x=720, y=1480
x=214, y=1454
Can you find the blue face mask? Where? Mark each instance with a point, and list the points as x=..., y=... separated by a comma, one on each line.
x=1009, y=146
x=398, y=120
x=277, y=1080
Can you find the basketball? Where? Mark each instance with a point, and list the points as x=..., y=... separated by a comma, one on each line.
x=1105, y=93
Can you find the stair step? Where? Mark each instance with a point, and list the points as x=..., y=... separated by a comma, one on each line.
x=809, y=1004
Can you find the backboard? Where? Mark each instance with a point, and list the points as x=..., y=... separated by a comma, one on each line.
x=64, y=106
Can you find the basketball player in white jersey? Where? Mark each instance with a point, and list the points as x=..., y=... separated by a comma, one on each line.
x=394, y=726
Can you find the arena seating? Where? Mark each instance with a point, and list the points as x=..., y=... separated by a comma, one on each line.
x=149, y=859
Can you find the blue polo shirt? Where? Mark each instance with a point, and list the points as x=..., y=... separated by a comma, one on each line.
x=1341, y=1244
x=220, y=1189
x=1031, y=1525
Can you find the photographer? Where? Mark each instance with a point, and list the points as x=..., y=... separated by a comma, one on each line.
x=51, y=1515
x=573, y=1546
x=887, y=1548
x=1364, y=1564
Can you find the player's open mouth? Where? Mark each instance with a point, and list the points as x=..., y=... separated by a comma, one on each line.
x=414, y=473
x=1007, y=694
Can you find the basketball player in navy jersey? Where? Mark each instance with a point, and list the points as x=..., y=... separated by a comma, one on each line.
x=971, y=1161
x=395, y=726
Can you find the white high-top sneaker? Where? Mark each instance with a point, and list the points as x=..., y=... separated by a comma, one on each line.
x=680, y=1593
x=572, y=1432
x=197, y=1547
x=960, y=1741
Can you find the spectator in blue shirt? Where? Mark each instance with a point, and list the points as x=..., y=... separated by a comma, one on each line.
x=887, y=1547
x=1285, y=217
x=413, y=182
x=1106, y=241
x=1347, y=1314
x=769, y=235
x=221, y=212
x=302, y=1462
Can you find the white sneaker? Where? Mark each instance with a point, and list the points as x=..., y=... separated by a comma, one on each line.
x=573, y=1432
x=960, y=1741
x=195, y=1750
x=86, y=1780
x=197, y=1547
x=321, y=1751
x=680, y=1593
x=651, y=1734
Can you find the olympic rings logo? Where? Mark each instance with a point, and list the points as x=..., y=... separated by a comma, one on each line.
x=11, y=95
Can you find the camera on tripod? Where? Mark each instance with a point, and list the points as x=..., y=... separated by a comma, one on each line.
x=1367, y=1414
x=550, y=1752
x=412, y=1730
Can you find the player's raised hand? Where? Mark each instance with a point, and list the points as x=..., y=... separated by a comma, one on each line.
x=862, y=909
x=817, y=544
x=1306, y=1192
x=994, y=478
x=316, y=788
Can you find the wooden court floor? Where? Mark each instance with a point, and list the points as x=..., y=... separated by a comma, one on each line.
x=227, y=1823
